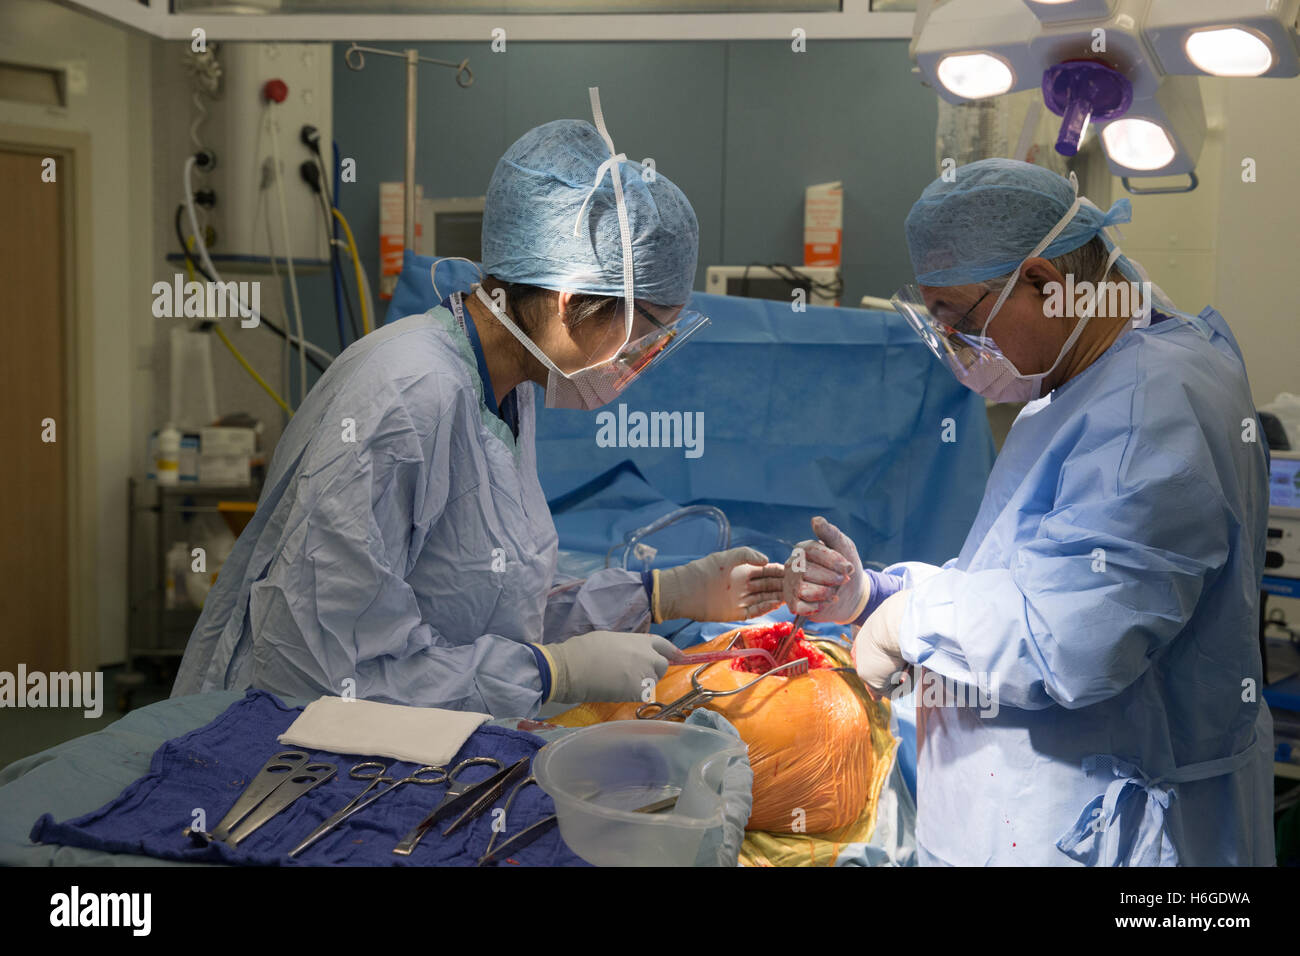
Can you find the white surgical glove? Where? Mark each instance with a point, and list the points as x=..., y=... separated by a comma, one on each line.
x=606, y=665
x=875, y=650
x=824, y=579
x=732, y=585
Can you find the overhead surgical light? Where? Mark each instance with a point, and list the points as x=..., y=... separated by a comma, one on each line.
x=1229, y=51
x=1161, y=135
x=1138, y=144
x=974, y=76
x=1240, y=38
x=1105, y=61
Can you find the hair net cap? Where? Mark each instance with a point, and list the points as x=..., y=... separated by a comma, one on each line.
x=535, y=196
x=985, y=222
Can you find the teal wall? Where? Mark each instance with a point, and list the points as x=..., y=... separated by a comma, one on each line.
x=741, y=127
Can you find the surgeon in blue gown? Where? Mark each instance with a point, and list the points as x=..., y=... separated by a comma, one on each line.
x=402, y=549
x=1087, y=670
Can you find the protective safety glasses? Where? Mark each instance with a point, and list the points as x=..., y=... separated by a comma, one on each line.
x=644, y=353
x=957, y=350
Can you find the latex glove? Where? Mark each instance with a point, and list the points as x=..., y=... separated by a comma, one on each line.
x=824, y=578
x=875, y=650
x=732, y=585
x=606, y=665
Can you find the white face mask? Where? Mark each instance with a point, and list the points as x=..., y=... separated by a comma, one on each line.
x=995, y=376
x=997, y=380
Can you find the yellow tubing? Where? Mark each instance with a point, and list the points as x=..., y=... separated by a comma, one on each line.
x=356, y=262
x=221, y=334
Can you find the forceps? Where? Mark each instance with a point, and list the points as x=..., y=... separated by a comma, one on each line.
x=700, y=695
x=458, y=794
x=787, y=642
x=376, y=773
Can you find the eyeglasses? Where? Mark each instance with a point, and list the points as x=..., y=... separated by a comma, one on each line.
x=646, y=313
x=960, y=325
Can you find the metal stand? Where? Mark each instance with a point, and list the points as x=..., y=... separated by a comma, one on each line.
x=464, y=79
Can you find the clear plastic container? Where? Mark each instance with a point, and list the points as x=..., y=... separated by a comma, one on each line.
x=600, y=775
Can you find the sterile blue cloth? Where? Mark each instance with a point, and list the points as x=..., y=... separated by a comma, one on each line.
x=835, y=412
x=402, y=542
x=210, y=767
x=981, y=223
x=79, y=775
x=543, y=187
x=1108, y=597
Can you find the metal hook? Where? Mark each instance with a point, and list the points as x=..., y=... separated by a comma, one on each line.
x=464, y=75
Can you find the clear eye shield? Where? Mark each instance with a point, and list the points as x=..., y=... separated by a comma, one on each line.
x=669, y=329
x=959, y=351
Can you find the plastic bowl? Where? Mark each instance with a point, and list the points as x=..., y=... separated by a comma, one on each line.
x=600, y=775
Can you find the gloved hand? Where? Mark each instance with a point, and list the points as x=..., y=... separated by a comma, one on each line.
x=732, y=585
x=824, y=579
x=875, y=650
x=605, y=665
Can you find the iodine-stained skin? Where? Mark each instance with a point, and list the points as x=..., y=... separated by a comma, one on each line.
x=809, y=737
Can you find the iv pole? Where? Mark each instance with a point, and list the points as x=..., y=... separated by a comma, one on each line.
x=464, y=78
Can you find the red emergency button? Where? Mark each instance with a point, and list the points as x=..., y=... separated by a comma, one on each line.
x=276, y=91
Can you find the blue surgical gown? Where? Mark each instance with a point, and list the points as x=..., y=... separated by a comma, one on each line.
x=402, y=549
x=1108, y=593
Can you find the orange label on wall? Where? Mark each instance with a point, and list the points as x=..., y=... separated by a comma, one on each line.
x=392, y=221
x=823, y=225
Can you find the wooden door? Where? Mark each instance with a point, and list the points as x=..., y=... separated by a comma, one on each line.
x=34, y=575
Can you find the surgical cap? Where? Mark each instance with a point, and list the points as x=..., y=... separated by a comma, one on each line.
x=985, y=222
x=533, y=202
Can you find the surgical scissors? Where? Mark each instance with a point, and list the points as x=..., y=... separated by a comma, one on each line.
x=700, y=695
x=377, y=774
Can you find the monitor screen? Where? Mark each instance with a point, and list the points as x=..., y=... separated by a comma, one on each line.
x=458, y=234
x=1284, y=483
x=764, y=287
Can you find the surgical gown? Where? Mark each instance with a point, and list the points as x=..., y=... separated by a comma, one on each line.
x=1108, y=594
x=402, y=549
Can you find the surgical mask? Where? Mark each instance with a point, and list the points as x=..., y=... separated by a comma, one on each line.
x=587, y=389
x=976, y=360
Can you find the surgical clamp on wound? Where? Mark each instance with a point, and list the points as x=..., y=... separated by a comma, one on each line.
x=700, y=695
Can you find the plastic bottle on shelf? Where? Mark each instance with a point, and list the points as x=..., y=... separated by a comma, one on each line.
x=167, y=466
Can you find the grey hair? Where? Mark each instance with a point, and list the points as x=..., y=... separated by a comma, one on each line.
x=1085, y=264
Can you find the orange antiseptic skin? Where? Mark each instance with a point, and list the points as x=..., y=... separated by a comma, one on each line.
x=809, y=740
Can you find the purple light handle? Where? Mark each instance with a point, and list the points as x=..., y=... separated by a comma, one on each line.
x=1074, y=125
